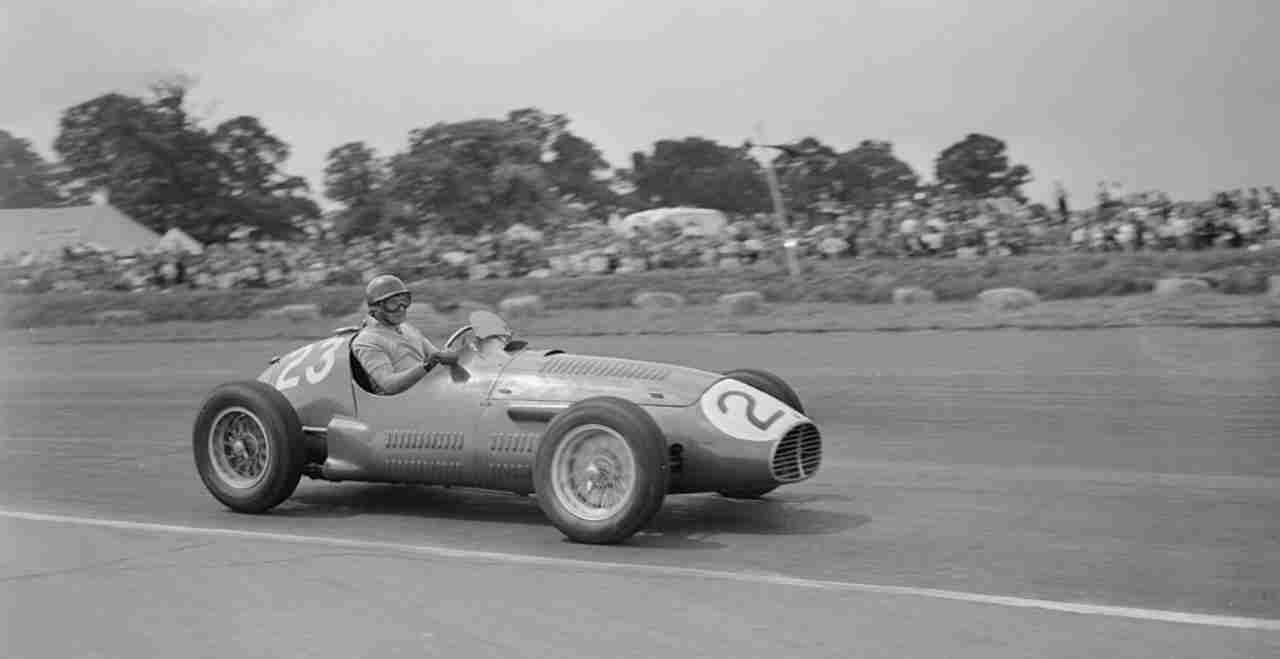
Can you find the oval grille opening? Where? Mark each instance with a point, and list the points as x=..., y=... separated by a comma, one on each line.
x=798, y=455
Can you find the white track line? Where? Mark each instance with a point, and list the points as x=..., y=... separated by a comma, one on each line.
x=1153, y=615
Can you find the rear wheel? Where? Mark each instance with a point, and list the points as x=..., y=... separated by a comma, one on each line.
x=601, y=471
x=776, y=387
x=248, y=446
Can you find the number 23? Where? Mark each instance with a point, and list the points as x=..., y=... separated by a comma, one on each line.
x=315, y=373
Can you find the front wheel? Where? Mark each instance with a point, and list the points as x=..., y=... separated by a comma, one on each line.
x=770, y=384
x=248, y=446
x=601, y=470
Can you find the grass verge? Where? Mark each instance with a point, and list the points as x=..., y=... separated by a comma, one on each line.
x=1203, y=310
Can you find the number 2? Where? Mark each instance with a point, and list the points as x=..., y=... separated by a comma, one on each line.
x=762, y=424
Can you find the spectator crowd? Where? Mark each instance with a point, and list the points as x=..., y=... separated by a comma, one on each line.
x=921, y=226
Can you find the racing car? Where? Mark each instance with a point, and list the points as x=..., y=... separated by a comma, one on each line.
x=599, y=441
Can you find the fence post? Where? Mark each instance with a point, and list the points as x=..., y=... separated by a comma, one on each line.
x=791, y=250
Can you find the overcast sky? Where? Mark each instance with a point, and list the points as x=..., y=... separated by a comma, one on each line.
x=1178, y=95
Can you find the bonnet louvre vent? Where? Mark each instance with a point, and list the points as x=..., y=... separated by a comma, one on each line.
x=603, y=368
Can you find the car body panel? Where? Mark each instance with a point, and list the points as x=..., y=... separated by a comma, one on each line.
x=316, y=379
x=536, y=376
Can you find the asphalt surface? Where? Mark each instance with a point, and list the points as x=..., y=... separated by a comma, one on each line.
x=1126, y=468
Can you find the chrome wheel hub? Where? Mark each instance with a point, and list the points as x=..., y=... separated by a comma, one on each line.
x=593, y=472
x=238, y=448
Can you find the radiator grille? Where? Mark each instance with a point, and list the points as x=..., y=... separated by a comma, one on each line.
x=798, y=455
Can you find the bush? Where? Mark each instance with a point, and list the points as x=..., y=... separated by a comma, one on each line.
x=658, y=300
x=1007, y=299
x=913, y=295
x=744, y=303
x=1181, y=286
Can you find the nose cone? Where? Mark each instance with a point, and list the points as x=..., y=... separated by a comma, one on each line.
x=746, y=413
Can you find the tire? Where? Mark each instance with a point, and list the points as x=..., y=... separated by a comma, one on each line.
x=637, y=446
x=776, y=387
x=770, y=384
x=273, y=430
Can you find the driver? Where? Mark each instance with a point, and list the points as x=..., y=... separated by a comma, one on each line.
x=393, y=352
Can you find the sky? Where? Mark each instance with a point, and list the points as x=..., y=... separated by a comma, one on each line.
x=1182, y=96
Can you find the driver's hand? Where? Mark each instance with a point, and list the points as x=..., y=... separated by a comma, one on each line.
x=449, y=357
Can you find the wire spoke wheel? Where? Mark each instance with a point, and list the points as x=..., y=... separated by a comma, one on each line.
x=248, y=446
x=600, y=472
x=593, y=472
x=238, y=448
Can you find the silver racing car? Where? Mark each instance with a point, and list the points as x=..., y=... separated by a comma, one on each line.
x=600, y=441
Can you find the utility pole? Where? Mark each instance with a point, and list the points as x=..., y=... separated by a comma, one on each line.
x=775, y=191
x=771, y=177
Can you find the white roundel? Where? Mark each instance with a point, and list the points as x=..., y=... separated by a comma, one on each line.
x=746, y=413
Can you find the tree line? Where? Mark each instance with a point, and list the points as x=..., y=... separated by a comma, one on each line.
x=164, y=167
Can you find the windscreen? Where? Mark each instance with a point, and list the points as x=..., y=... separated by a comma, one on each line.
x=487, y=324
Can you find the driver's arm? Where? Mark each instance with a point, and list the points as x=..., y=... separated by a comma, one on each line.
x=382, y=374
x=428, y=348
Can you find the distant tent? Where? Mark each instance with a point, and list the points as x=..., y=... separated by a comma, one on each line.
x=691, y=221
x=46, y=232
x=177, y=240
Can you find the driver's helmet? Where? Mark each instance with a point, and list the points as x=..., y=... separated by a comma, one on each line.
x=383, y=287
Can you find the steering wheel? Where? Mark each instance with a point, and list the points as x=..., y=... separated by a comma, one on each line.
x=457, y=335
x=462, y=331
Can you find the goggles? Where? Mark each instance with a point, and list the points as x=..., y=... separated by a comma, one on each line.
x=397, y=303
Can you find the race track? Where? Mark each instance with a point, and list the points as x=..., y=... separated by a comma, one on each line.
x=1135, y=473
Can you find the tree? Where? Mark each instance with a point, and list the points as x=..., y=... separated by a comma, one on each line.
x=162, y=168
x=357, y=178
x=869, y=174
x=467, y=175
x=978, y=166
x=156, y=166
x=250, y=156
x=473, y=174
x=353, y=174
x=26, y=180
x=543, y=128
x=570, y=161
x=699, y=172
x=806, y=172
x=573, y=168
x=253, y=187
